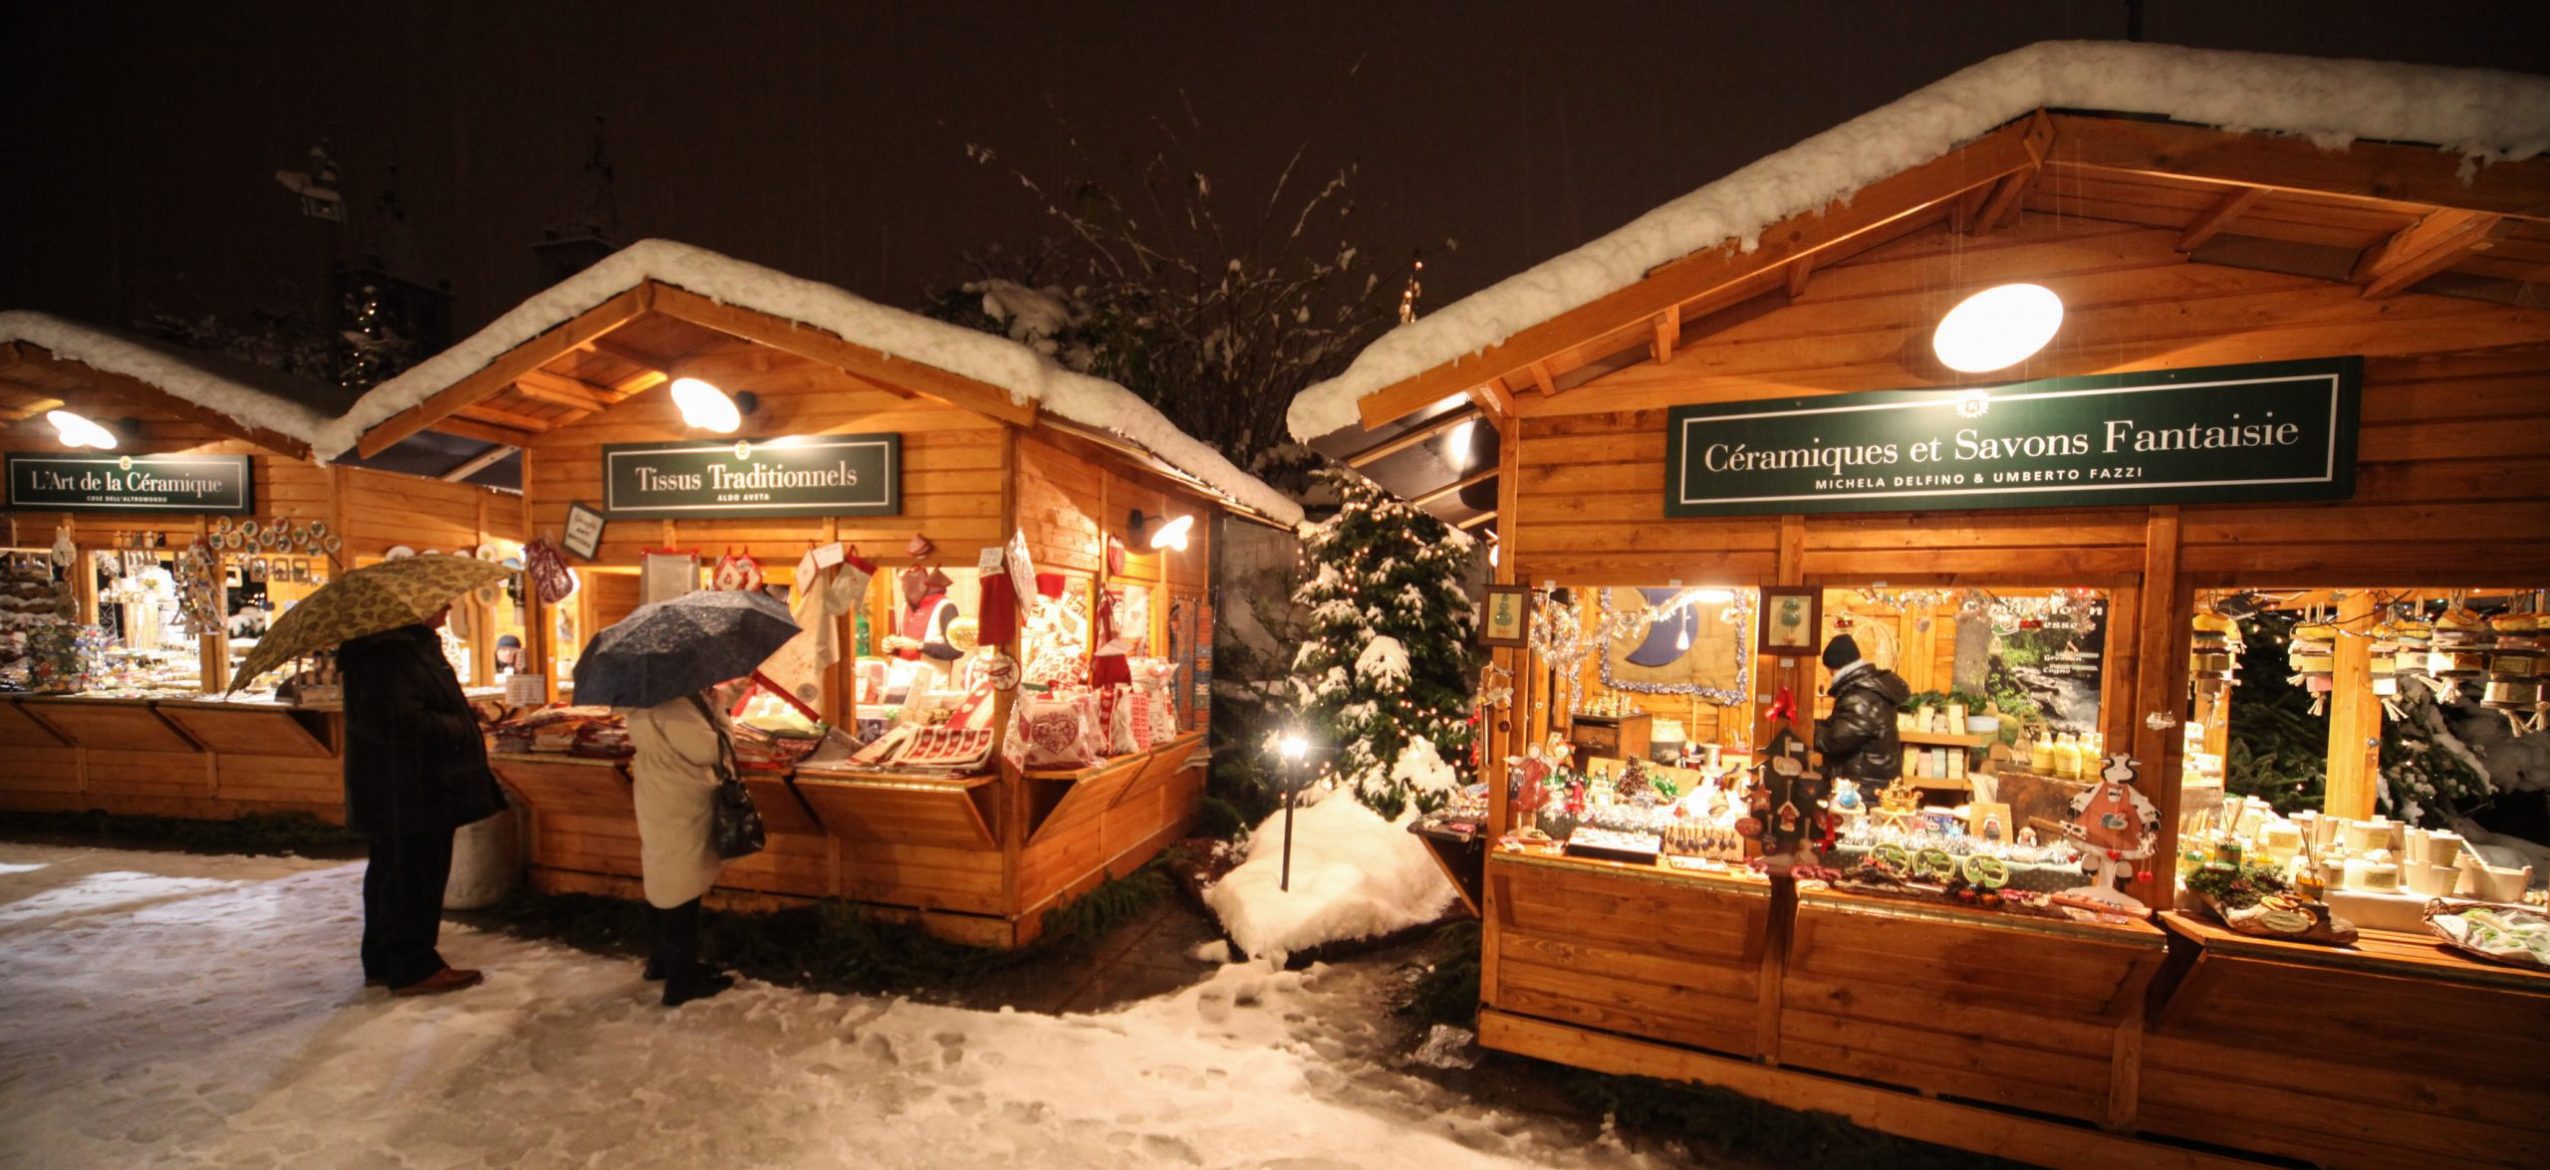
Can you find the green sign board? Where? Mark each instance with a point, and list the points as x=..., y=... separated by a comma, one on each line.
x=808, y=475
x=129, y=483
x=2277, y=431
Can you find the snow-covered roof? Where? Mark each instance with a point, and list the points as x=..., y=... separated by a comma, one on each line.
x=2484, y=115
x=1024, y=374
x=242, y=391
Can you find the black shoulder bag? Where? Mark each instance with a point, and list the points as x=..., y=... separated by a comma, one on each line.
x=734, y=825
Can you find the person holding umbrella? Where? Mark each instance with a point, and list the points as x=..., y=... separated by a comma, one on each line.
x=415, y=762
x=673, y=668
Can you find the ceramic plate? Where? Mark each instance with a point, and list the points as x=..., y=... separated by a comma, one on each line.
x=400, y=552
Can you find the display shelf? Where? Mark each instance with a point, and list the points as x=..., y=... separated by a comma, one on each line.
x=1944, y=739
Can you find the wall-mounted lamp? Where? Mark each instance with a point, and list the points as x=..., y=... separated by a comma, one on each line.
x=2000, y=326
x=1159, y=532
x=708, y=408
x=78, y=430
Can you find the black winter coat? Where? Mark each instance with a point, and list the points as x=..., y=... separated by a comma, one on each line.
x=415, y=761
x=1859, y=741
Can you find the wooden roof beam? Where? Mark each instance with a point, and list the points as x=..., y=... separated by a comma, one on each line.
x=2382, y=171
x=2011, y=192
x=1541, y=379
x=560, y=390
x=2424, y=248
x=462, y=428
x=1475, y=521
x=639, y=383
x=2211, y=221
x=807, y=341
x=479, y=462
x=493, y=416
x=509, y=367
x=612, y=347
x=1907, y=193
x=1799, y=271
x=1466, y=482
x=1494, y=399
x=1668, y=334
x=1420, y=433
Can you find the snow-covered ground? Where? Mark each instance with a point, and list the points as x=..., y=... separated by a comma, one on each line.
x=171, y=1010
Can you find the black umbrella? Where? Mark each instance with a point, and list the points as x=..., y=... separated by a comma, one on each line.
x=674, y=648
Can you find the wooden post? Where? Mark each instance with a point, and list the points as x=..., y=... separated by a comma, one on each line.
x=2160, y=688
x=2355, y=716
x=1797, y=674
x=1502, y=731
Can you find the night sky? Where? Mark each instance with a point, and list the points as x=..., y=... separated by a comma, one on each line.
x=829, y=139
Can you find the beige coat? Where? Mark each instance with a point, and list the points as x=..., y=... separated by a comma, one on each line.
x=674, y=778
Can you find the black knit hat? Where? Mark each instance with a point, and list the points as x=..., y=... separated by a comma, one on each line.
x=1840, y=652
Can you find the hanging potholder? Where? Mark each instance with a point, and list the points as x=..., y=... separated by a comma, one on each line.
x=548, y=571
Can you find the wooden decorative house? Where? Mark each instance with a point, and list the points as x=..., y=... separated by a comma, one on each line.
x=1720, y=415
x=974, y=442
x=203, y=447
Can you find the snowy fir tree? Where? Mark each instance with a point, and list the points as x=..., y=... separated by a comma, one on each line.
x=1383, y=679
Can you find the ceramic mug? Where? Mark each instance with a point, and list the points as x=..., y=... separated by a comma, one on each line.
x=2415, y=853
x=2443, y=848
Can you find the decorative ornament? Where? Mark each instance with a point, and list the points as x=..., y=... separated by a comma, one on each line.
x=1002, y=670
x=547, y=570
x=2115, y=825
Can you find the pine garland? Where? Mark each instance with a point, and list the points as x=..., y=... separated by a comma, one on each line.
x=1390, y=654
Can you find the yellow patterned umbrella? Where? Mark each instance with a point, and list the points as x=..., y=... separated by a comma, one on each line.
x=366, y=601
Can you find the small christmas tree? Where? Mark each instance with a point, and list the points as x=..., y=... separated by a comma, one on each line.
x=1384, y=676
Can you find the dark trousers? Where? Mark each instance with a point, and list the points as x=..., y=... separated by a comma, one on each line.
x=676, y=940
x=403, y=905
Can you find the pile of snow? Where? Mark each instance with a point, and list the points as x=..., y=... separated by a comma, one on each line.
x=1421, y=768
x=1384, y=662
x=169, y=373
x=1026, y=375
x=1355, y=876
x=2484, y=115
x=229, y=1028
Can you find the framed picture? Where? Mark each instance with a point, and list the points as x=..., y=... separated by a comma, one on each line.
x=1788, y=620
x=1507, y=619
x=584, y=530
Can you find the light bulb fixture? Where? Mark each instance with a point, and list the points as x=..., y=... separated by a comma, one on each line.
x=78, y=430
x=1293, y=747
x=1456, y=448
x=2000, y=326
x=1159, y=532
x=708, y=408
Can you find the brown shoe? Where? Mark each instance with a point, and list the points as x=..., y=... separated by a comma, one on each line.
x=447, y=979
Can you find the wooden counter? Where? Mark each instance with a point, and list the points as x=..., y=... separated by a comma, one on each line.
x=2031, y=1013
x=204, y=757
x=978, y=858
x=1670, y=955
x=2391, y=1052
